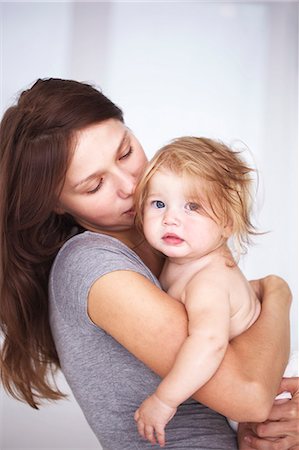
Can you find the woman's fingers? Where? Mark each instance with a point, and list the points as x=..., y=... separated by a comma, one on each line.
x=290, y=384
x=288, y=410
x=285, y=443
x=275, y=430
x=279, y=433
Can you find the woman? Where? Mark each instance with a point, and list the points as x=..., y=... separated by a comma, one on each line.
x=70, y=166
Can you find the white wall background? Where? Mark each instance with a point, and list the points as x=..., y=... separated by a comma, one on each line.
x=219, y=69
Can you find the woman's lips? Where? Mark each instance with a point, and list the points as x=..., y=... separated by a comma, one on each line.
x=172, y=239
x=130, y=212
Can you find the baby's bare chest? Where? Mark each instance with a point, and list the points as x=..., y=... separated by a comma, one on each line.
x=174, y=282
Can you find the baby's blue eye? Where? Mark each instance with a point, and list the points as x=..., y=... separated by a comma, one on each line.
x=191, y=206
x=158, y=204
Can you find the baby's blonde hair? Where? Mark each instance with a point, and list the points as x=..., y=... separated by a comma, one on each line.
x=218, y=177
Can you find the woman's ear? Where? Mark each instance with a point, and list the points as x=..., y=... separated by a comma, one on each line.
x=59, y=209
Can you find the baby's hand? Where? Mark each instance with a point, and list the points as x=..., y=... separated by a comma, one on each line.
x=152, y=417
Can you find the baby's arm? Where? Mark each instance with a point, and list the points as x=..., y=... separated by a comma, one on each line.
x=208, y=312
x=198, y=358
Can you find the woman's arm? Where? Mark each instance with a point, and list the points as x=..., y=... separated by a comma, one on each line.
x=153, y=326
x=281, y=430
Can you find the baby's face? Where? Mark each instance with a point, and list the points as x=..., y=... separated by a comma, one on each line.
x=176, y=225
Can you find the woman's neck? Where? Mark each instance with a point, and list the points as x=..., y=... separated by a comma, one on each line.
x=151, y=258
x=131, y=237
x=135, y=240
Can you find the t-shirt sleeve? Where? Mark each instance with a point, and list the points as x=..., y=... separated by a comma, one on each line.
x=78, y=265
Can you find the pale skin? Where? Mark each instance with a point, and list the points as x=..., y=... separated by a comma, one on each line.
x=201, y=274
x=143, y=318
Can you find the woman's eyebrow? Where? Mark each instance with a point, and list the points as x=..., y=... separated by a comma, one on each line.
x=90, y=177
x=96, y=174
x=124, y=139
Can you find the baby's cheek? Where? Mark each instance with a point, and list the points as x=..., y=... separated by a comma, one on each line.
x=150, y=230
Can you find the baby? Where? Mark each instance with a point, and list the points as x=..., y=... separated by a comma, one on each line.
x=193, y=197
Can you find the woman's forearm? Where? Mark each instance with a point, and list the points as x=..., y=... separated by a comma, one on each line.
x=254, y=363
x=153, y=327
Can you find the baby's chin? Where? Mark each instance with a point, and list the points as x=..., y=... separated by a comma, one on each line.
x=174, y=252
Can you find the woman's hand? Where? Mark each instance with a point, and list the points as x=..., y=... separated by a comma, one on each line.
x=269, y=284
x=281, y=430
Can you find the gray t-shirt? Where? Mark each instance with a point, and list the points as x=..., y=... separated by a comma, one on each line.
x=108, y=382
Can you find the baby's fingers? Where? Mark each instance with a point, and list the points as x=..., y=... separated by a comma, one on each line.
x=160, y=435
x=141, y=428
x=149, y=434
x=136, y=415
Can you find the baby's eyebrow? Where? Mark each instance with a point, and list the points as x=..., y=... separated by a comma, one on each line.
x=154, y=194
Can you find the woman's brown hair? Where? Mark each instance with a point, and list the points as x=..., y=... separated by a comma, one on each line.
x=36, y=143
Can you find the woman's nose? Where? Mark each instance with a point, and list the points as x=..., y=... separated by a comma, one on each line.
x=126, y=184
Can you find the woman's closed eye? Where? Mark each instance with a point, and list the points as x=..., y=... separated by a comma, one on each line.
x=97, y=187
x=126, y=154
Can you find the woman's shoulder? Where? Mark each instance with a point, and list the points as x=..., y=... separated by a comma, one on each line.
x=89, y=243
x=89, y=239
x=82, y=260
x=90, y=255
